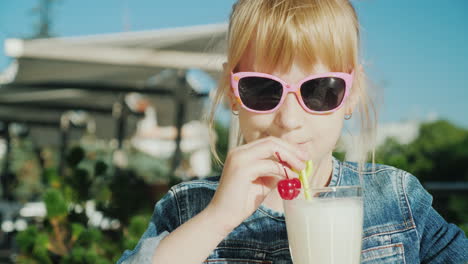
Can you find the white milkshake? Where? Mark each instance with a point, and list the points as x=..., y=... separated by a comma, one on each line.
x=324, y=230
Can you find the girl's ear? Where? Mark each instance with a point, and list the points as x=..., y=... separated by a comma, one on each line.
x=233, y=101
x=354, y=94
x=351, y=102
x=232, y=98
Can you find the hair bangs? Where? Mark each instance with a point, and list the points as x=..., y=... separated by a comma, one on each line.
x=305, y=33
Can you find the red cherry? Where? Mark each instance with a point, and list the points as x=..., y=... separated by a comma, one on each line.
x=289, y=188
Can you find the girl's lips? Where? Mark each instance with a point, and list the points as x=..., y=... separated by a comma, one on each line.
x=305, y=142
x=303, y=146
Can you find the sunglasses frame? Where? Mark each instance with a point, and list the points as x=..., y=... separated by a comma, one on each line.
x=296, y=89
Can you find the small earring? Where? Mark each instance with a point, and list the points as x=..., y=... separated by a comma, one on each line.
x=348, y=117
x=233, y=105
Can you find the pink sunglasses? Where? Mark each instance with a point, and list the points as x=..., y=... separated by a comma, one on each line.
x=318, y=94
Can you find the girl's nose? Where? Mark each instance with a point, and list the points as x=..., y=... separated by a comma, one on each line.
x=289, y=115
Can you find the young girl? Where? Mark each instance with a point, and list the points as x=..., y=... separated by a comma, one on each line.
x=293, y=76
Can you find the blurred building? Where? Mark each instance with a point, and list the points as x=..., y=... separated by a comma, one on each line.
x=97, y=74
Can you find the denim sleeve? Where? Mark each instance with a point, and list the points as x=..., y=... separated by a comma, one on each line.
x=165, y=219
x=440, y=242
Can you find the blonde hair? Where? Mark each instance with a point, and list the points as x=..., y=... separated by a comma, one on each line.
x=317, y=31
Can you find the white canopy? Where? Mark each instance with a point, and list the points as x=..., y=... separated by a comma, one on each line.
x=51, y=74
x=117, y=58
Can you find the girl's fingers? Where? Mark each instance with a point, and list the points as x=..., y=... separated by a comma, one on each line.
x=290, y=147
x=271, y=168
x=267, y=150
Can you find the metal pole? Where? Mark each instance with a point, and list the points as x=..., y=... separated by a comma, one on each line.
x=180, y=102
x=7, y=176
x=64, y=134
x=120, y=113
x=6, y=160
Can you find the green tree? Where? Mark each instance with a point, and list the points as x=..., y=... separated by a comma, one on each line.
x=222, y=144
x=65, y=236
x=438, y=154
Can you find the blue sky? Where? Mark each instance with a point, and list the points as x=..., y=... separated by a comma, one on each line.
x=416, y=51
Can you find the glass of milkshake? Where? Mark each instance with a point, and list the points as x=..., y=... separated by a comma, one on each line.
x=324, y=225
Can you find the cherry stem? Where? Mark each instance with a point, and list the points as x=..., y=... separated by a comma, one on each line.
x=282, y=163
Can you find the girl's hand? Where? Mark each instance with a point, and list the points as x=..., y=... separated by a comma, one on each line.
x=250, y=173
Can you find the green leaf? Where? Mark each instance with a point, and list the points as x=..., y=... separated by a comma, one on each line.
x=84, y=255
x=90, y=236
x=81, y=183
x=51, y=176
x=100, y=168
x=136, y=228
x=23, y=259
x=55, y=203
x=77, y=230
x=40, y=248
x=138, y=225
x=26, y=238
x=75, y=156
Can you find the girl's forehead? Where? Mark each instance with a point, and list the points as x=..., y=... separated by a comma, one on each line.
x=248, y=63
x=252, y=63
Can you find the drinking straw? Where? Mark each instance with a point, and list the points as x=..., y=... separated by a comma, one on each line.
x=304, y=178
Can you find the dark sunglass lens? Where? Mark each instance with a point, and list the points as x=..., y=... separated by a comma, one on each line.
x=258, y=93
x=323, y=94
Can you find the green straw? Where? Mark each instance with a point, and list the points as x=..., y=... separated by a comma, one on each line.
x=304, y=178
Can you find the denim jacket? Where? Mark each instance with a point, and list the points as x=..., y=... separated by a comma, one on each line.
x=400, y=225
